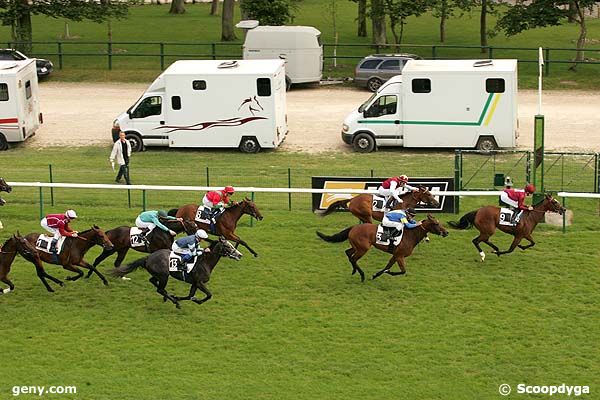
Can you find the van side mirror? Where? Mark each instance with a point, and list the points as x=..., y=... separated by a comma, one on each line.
x=129, y=113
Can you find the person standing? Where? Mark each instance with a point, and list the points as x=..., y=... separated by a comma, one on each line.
x=121, y=151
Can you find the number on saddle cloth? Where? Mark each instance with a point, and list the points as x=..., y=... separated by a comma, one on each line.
x=378, y=203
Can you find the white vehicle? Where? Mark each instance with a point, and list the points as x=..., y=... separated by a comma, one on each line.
x=20, y=114
x=210, y=103
x=440, y=103
x=299, y=46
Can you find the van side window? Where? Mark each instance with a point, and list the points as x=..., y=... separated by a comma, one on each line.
x=385, y=105
x=149, y=106
x=3, y=92
x=199, y=85
x=263, y=87
x=176, y=102
x=28, y=89
x=421, y=85
x=494, y=85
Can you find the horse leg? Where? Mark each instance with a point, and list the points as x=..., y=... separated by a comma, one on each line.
x=190, y=295
x=402, y=265
x=492, y=245
x=86, y=264
x=160, y=288
x=476, y=242
x=243, y=243
x=204, y=290
x=42, y=274
x=105, y=254
x=386, y=268
x=73, y=268
x=513, y=245
x=349, y=254
x=154, y=280
x=531, y=242
x=354, y=261
x=11, y=286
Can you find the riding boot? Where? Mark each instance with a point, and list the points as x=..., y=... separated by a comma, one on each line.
x=389, y=203
x=514, y=216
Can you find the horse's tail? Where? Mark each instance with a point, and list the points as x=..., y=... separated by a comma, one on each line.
x=172, y=212
x=125, y=269
x=336, y=238
x=334, y=206
x=465, y=222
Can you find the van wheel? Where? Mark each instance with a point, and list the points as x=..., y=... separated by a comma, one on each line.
x=485, y=144
x=249, y=145
x=374, y=84
x=288, y=83
x=363, y=143
x=3, y=143
x=136, y=141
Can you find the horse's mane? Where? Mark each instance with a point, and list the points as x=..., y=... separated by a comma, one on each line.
x=540, y=202
x=7, y=240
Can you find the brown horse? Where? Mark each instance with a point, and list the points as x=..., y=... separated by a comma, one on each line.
x=362, y=237
x=487, y=219
x=361, y=206
x=226, y=223
x=17, y=244
x=158, y=239
x=73, y=250
x=4, y=187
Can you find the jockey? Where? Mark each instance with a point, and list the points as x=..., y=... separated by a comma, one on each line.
x=151, y=219
x=216, y=199
x=58, y=226
x=398, y=219
x=390, y=188
x=188, y=247
x=515, y=198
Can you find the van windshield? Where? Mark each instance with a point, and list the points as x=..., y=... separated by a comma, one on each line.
x=363, y=105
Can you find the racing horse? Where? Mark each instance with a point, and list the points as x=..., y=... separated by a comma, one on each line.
x=364, y=236
x=487, y=219
x=157, y=264
x=361, y=206
x=73, y=251
x=158, y=239
x=17, y=244
x=226, y=223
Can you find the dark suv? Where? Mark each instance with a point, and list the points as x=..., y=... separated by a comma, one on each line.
x=44, y=67
x=375, y=69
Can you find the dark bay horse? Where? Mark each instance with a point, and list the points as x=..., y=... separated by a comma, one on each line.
x=226, y=223
x=4, y=187
x=157, y=264
x=361, y=206
x=17, y=244
x=362, y=237
x=487, y=220
x=158, y=239
x=73, y=250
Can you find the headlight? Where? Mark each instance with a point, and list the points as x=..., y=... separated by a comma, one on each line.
x=345, y=128
x=116, y=124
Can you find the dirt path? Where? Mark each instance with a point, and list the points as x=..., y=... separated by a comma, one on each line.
x=82, y=114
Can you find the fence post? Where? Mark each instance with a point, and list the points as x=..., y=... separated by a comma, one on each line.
x=109, y=55
x=213, y=48
x=564, y=216
x=528, y=168
x=289, y=187
x=41, y=203
x=207, y=177
x=129, y=197
x=162, y=56
x=372, y=173
x=144, y=199
x=434, y=52
x=51, y=188
x=60, y=55
x=490, y=53
x=251, y=198
x=597, y=173
x=547, y=61
x=457, y=178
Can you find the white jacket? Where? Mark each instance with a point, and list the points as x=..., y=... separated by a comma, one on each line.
x=117, y=152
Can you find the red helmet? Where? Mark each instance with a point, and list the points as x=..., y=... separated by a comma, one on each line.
x=529, y=188
x=229, y=190
x=403, y=178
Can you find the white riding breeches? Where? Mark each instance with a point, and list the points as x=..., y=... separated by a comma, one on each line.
x=507, y=200
x=392, y=224
x=141, y=224
x=54, y=231
x=389, y=192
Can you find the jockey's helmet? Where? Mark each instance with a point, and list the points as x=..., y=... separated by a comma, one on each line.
x=70, y=214
x=201, y=234
x=162, y=213
x=403, y=178
x=229, y=190
x=411, y=211
x=529, y=188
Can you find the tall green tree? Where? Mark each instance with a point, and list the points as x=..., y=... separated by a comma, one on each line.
x=272, y=12
x=445, y=9
x=361, y=18
x=227, y=33
x=378, y=22
x=214, y=7
x=399, y=10
x=177, y=7
x=541, y=13
x=17, y=14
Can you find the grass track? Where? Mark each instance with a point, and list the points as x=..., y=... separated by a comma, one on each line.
x=293, y=323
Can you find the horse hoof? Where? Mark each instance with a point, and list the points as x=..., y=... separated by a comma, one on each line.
x=256, y=255
x=125, y=278
x=177, y=305
x=7, y=290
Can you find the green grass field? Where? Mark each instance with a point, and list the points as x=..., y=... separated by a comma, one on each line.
x=293, y=323
x=154, y=24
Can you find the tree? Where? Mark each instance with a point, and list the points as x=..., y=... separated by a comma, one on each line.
x=378, y=21
x=214, y=7
x=444, y=9
x=361, y=18
x=177, y=7
x=541, y=13
x=273, y=12
x=399, y=10
x=227, y=33
x=17, y=14
x=483, y=25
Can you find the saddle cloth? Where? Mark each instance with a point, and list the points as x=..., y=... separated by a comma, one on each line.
x=203, y=215
x=506, y=215
x=175, y=259
x=396, y=239
x=379, y=203
x=43, y=243
x=136, y=237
